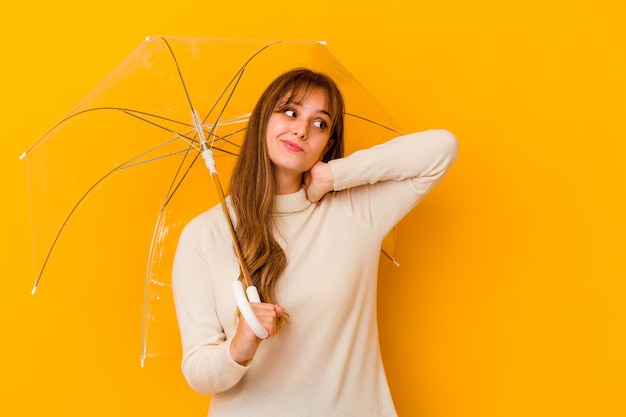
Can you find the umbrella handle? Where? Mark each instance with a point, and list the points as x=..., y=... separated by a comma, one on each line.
x=246, y=310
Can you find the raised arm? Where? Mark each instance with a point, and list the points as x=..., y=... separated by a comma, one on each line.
x=386, y=181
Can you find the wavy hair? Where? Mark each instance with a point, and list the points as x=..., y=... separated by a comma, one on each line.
x=252, y=187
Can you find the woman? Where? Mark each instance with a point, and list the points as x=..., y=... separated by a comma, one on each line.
x=310, y=224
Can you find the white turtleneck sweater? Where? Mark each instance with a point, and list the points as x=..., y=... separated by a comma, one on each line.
x=326, y=360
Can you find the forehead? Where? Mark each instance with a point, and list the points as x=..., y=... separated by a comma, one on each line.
x=300, y=94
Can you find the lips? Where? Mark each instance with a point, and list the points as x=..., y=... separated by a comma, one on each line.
x=294, y=147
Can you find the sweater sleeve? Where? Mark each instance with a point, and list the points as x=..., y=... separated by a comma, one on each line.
x=207, y=364
x=397, y=175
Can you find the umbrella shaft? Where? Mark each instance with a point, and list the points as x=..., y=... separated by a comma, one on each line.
x=242, y=265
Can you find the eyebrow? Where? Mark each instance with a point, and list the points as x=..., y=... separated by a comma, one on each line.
x=297, y=103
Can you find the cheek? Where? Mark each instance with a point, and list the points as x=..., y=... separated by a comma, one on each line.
x=270, y=145
x=274, y=125
x=321, y=148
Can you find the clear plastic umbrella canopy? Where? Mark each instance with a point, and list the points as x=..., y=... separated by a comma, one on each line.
x=134, y=142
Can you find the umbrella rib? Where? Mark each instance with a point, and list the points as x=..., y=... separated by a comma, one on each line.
x=186, y=137
x=225, y=139
x=175, y=185
x=62, y=227
x=235, y=79
x=180, y=74
x=156, y=158
x=143, y=119
x=126, y=111
x=120, y=167
x=356, y=116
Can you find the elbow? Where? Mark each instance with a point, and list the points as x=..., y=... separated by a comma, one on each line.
x=199, y=389
x=448, y=144
x=195, y=382
x=443, y=148
x=208, y=371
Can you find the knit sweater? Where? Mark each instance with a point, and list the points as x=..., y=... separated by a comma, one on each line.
x=326, y=360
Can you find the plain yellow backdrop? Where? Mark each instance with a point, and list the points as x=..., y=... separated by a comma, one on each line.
x=510, y=298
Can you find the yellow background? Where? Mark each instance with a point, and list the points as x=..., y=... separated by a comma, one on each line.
x=510, y=298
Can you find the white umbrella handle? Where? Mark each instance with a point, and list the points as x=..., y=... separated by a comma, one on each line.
x=246, y=310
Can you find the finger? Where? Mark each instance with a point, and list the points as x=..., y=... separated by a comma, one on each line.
x=263, y=308
x=267, y=314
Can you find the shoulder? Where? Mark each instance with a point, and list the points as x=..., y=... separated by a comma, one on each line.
x=206, y=226
x=207, y=218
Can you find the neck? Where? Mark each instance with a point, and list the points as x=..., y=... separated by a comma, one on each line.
x=288, y=184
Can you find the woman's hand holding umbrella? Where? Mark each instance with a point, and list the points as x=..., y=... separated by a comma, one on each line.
x=245, y=342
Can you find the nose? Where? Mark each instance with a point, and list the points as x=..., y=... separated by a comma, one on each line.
x=300, y=130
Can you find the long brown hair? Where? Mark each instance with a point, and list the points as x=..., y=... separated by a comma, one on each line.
x=252, y=187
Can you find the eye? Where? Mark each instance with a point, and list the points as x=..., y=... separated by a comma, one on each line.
x=290, y=112
x=320, y=124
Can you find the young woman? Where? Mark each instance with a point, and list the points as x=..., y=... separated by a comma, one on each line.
x=310, y=224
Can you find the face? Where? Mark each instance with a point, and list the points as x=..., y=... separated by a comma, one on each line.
x=298, y=136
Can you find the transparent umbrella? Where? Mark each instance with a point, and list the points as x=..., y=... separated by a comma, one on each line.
x=139, y=138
